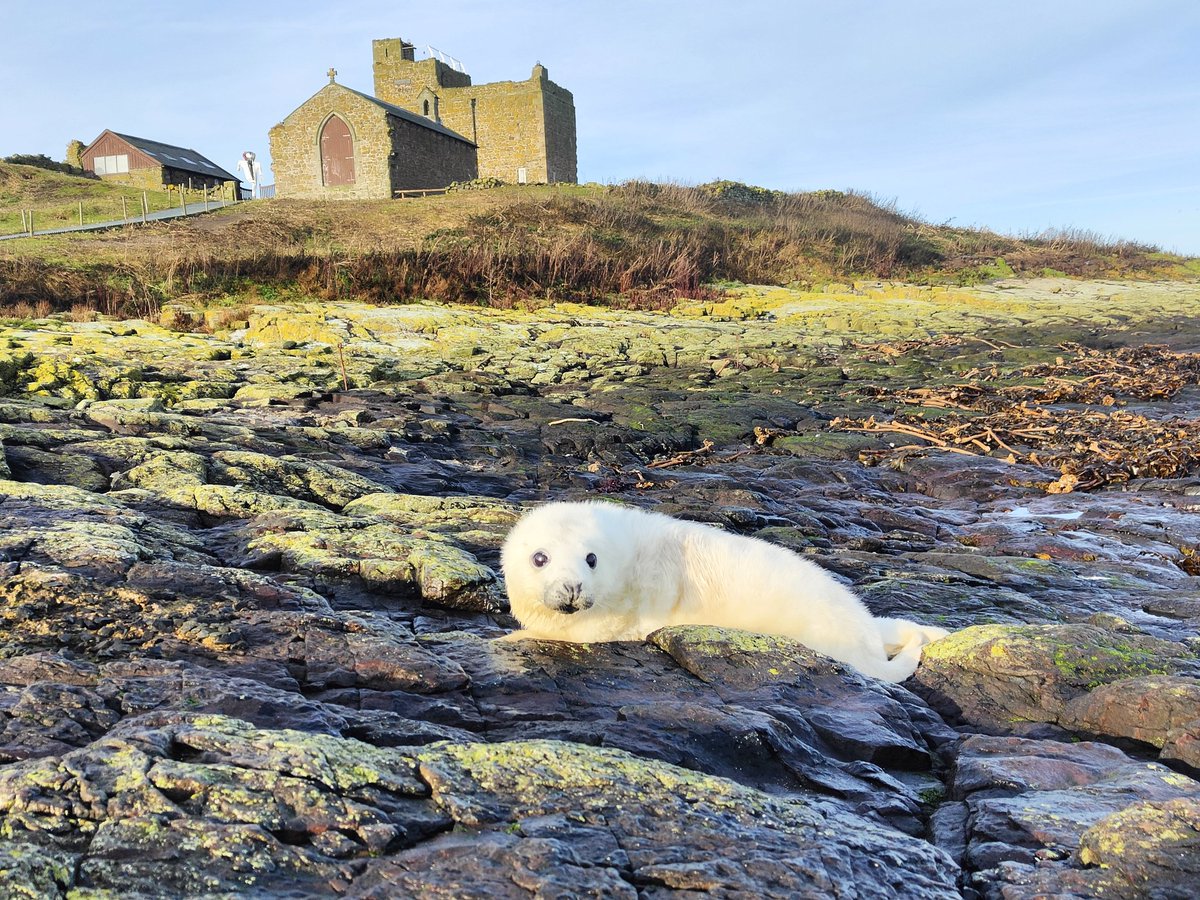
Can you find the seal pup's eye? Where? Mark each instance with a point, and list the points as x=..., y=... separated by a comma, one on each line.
x=539, y=559
x=590, y=559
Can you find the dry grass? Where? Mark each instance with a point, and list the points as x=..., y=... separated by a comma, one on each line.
x=637, y=244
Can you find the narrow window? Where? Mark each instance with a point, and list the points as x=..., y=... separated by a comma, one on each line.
x=337, y=152
x=426, y=107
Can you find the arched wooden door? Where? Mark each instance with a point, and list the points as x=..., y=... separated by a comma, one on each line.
x=337, y=152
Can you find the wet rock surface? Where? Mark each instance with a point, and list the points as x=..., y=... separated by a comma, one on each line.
x=248, y=604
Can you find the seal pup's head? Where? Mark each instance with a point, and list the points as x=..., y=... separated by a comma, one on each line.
x=561, y=559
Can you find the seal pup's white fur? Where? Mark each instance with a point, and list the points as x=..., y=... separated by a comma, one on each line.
x=596, y=571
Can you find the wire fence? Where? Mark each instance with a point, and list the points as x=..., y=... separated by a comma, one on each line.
x=173, y=201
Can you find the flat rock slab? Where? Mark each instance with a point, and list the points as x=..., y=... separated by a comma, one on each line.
x=207, y=804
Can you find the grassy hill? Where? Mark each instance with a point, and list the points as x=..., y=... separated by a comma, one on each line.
x=636, y=244
x=54, y=198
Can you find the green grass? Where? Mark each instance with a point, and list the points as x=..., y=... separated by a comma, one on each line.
x=54, y=199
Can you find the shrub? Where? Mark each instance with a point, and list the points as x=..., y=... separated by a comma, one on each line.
x=42, y=161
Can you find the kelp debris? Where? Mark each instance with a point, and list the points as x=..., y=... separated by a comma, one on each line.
x=1094, y=448
x=1040, y=422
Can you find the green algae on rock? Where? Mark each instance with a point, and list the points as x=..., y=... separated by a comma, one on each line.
x=669, y=820
x=317, y=552
x=999, y=676
x=215, y=805
x=1146, y=849
x=735, y=658
x=377, y=554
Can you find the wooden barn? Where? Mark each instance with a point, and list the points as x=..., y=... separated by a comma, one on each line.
x=150, y=164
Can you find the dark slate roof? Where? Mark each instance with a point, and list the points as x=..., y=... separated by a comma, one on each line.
x=178, y=157
x=409, y=116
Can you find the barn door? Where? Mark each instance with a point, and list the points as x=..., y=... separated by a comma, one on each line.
x=337, y=152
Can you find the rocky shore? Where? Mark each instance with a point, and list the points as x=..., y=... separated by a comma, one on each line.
x=249, y=586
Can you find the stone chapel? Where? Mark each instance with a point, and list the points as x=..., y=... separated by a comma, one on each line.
x=425, y=126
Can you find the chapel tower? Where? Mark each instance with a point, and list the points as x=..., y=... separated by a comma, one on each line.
x=524, y=130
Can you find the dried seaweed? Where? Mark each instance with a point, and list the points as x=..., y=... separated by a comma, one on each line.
x=1091, y=377
x=1020, y=423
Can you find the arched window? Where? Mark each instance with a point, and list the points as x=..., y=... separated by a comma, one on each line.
x=428, y=104
x=337, y=152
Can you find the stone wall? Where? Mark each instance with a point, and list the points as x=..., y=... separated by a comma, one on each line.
x=559, y=116
x=148, y=178
x=505, y=120
x=74, y=155
x=190, y=180
x=517, y=124
x=423, y=158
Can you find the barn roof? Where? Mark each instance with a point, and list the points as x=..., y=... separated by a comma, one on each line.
x=182, y=158
x=409, y=116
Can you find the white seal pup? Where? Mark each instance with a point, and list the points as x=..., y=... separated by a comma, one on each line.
x=596, y=571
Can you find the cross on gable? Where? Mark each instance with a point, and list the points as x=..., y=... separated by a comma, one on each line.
x=332, y=73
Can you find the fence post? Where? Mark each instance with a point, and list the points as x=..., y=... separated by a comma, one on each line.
x=206, y=198
x=124, y=209
x=31, y=223
x=183, y=198
x=22, y=221
x=145, y=207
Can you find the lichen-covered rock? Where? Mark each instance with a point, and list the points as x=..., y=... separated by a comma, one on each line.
x=1147, y=849
x=1015, y=802
x=572, y=807
x=50, y=704
x=369, y=658
x=164, y=472
x=242, y=529
x=82, y=531
x=32, y=464
x=265, y=394
x=301, y=479
x=213, y=805
x=999, y=677
x=296, y=327
x=869, y=718
x=33, y=872
x=1163, y=711
x=785, y=719
x=479, y=521
x=210, y=804
x=182, y=479
x=376, y=556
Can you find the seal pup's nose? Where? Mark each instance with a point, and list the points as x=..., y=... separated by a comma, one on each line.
x=569, y=598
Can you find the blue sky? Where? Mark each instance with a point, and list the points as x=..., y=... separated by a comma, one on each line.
x=1016, y=115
